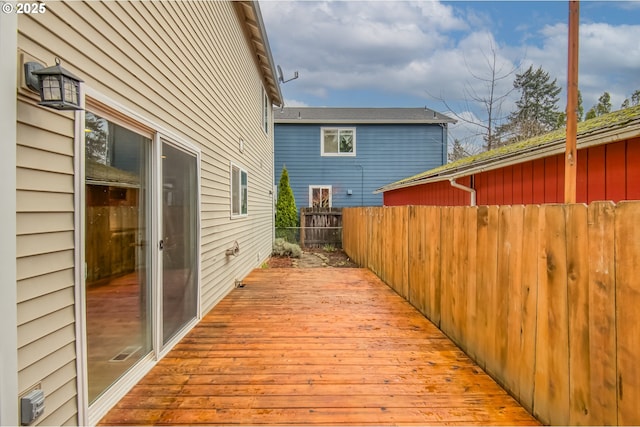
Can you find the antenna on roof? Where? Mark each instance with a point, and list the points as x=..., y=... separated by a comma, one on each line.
x=281, y=77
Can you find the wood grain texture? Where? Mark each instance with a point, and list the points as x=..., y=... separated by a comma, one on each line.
x=627, y=247
x=316, y=346
x=602, y=314
x=551, y=394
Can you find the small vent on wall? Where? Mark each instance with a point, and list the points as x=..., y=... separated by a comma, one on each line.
x=126, y=353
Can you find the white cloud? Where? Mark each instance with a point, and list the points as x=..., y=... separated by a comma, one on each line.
x=609, y=59
x=294, y=103
x=425, y=49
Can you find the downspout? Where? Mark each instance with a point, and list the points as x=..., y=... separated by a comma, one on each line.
x=361, y=184
x=470, y=190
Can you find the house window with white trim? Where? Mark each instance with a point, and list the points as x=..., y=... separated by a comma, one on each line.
x=338, y=141
x=239, y=191
x=320, y=196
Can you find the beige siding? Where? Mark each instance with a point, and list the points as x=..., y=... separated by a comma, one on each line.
x=45, y=244
x=42, y=222
x=186, y=67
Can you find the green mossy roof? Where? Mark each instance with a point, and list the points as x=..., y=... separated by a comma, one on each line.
x=616, y=119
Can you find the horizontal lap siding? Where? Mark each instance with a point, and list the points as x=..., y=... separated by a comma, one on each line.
x=607, y=172
x=384, y=153
x=185, y=66
x=44, y=247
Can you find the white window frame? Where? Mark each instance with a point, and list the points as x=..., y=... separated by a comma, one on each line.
x=338, y=129
x=320, y=187
x=244, y=192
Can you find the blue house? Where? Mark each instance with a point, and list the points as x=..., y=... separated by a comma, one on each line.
x=337, y=157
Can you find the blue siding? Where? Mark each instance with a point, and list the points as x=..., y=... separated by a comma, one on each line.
x=384, y=154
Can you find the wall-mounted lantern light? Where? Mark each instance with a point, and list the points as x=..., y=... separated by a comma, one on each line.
x=58, y=88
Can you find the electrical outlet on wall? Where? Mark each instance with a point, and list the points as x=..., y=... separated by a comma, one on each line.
x=31, y=406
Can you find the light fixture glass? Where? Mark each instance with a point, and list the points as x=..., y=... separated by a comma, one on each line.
x=58, y=88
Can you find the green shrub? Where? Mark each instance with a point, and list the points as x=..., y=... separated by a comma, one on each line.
x=285, y=249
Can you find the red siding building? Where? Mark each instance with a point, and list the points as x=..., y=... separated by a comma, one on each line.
x=532, y=171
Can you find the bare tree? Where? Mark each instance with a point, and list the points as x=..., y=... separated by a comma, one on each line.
x=489, y=99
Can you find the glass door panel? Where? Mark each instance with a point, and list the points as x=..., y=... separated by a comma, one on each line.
x=180, y=240
x=118, y=285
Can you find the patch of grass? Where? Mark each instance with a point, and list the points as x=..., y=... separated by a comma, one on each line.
x=329, y=248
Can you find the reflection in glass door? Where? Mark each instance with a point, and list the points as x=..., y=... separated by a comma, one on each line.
x=118, y=314
x=179, y=240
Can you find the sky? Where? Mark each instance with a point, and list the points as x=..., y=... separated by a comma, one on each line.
x=439, y=54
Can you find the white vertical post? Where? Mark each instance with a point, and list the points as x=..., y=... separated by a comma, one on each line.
x=8, y=290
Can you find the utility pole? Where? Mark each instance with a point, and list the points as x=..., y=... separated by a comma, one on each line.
x=571, y=152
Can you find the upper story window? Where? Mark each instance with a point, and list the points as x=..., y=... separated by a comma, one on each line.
x=338, y=141
x=265, y=111
x=239, y=191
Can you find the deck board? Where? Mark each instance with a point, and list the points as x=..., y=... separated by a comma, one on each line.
x=316, y=347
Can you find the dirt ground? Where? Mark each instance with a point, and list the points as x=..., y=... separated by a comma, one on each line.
x=314, y=257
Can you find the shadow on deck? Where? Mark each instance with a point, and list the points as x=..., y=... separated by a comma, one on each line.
x=316, y=346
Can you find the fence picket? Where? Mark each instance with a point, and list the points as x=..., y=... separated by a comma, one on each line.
x=578, y=309
x=601, y=372
x=434, y=272
x=627, y=252
x=528, y=306
x=470, y=336
x=551, y=398
x=448, y=261
x=417, y=262
x=511, y=287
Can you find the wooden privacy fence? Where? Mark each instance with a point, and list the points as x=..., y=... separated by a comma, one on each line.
x=545, y=298
x=320, y=226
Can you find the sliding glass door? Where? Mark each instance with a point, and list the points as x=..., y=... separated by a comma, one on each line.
x=179, y=240
x=117, y=254
x=142, y=278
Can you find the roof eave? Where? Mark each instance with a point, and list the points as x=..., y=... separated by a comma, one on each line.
x=251, y=17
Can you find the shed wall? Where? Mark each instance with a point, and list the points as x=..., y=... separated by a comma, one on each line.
x=605, y=172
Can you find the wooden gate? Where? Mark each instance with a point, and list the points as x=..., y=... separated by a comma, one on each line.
x=320, y=227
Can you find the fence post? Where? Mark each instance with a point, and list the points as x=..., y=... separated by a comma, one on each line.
x=302, y=224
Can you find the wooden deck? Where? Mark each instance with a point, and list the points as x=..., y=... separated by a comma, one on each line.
x=316, y=346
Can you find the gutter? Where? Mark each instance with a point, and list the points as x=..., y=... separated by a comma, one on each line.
x=331, y=121
x=470, y=190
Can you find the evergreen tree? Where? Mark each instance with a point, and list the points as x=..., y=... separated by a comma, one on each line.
x=536, y=110
x=635, y=100
x=286, y=211
x=602, y=107
x=580, y=107
x=562, y=117
x=457, y=151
